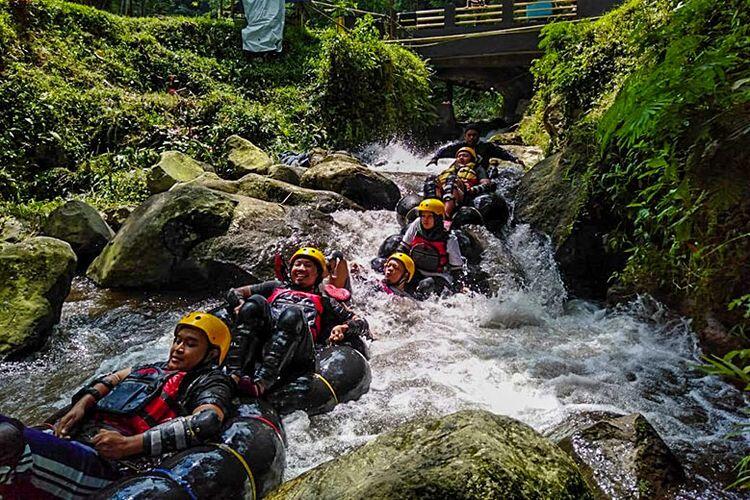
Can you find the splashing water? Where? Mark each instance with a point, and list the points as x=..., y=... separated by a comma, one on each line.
x=527, y=351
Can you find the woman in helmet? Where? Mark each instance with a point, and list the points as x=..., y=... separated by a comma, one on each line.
x=146, y=410
x=282, y=323
x=434, y=250
x=463, y=180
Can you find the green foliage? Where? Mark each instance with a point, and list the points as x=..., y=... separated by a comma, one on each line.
x=474, y=105
x=87, y=97
x=734, y=366
x=368, y=89
x=651, y=105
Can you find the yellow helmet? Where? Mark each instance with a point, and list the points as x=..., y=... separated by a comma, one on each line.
x=432, y=205
x=467, y=149
x=313, y=254
x=406, y=261
x=214, y=328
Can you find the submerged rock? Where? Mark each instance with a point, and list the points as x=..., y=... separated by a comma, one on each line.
x=35, y=278
x=469, y=454
x=624, y=457
x=266, y=189
x=244, y=157
x=82, y=227
x=195, y=237
x=346, y=176
x=173, y=167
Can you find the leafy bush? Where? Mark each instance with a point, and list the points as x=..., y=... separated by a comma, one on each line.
x=366, y=89
x=87, y=97
x=650, y=104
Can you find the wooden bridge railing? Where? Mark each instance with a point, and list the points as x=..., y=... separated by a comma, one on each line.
x=506, y=13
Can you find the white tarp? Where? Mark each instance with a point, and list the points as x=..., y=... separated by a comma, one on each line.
x=265, y=25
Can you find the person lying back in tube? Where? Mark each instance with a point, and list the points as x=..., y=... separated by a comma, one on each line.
x=283, y=322
x=464, y=180
x=434, y=250
x=148, y=410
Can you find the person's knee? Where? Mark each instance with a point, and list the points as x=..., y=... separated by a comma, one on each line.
x=291, y=320
x=12, y=443
x=255, y=312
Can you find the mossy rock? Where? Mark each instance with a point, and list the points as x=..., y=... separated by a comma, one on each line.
x=472, y=454
x=173, y=167
x=13, y=230
x=344, y=175
x=35, y=277
x=244, y=157
x=82, y=227
x=267, y=189
x=192, y=237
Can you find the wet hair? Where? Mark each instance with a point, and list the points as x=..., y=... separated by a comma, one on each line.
x=472, y=126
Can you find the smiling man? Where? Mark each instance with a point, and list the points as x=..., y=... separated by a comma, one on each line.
x=147, y=410
x=286, y=321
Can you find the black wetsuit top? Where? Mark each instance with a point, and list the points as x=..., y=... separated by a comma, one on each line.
x=484, y=150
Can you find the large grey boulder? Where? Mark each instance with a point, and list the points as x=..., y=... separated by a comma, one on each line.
x=195, y=237
x=35, y=277
x=471, y=454
x=244, y=157
x=82, y=227
x=557, y=203
x=624, y=457
x=173, y=167
x=267, y=189
x=344, y=175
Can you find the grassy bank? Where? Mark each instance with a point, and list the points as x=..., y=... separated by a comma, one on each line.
x=88, y=99
x=650, y=105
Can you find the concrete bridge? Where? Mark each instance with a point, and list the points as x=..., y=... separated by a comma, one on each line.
x=489, y=46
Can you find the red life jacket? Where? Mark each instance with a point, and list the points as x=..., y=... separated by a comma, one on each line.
x=146, y=398
x=310, y=303
x=429, y=255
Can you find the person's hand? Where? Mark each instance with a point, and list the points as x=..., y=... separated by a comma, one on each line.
x=247, y=387
x=113, y=445
x=74, y=415
x=337, y=333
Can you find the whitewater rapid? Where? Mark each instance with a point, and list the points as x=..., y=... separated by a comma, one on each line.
x=528, y=351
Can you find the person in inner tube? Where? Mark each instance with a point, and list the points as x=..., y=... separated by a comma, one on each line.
x=147, y=410
x=282, y=323
x=484, y=150
x=459, y=183
x=398, y=271
x=434, y=250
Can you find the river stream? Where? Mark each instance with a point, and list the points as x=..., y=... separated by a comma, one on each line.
x=529, y=351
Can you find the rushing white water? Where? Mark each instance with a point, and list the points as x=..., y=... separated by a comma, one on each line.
x=528, y=352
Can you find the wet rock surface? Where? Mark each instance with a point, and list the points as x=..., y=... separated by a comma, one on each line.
x=244, y=157
x=194, y=237
x=346, y=176
x=80, y=225
x=268, y=189
x=173, y=167
x=624, y=457
x=550, y=202
x=35, y=277
x=469, y=454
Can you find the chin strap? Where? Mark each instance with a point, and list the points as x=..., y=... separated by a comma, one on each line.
x=181, y=432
